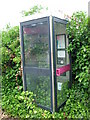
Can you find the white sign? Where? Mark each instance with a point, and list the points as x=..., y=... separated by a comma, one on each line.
x=61, y=41
x=61, y=54
x=59, y=86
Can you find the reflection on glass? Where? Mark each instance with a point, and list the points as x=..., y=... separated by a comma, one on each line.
x=40, y=85
x=62, y=87
x=61, y=59
x=36, y=49
x=36, y=45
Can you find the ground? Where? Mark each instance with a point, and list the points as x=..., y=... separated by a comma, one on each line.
x=3, y=116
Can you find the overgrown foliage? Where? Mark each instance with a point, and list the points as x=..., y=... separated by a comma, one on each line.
x=21, y=104
x=11, y=59
x=33, y=10
x=79, y=48
x=79, y=36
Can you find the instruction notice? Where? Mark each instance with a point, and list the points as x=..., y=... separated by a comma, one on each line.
x=61, y=54
x=59, y=86
x=61, y=41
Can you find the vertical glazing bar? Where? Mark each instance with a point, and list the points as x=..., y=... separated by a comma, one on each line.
x=22, y=57
x=54, y=64
x=51, y=38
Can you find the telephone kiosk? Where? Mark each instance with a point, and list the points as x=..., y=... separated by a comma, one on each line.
x=45, y=60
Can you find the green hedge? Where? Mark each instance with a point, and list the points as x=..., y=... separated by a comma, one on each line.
x=21, y=104
x=11, y=59
x=79, y=48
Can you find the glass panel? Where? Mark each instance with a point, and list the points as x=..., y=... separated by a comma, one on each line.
x=37, y=64
x=62, y=59
x=62, y=86
x=59, y=28
x=40, y=85
x=36, y=44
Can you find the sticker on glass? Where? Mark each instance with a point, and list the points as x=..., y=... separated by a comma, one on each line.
x=59, y=86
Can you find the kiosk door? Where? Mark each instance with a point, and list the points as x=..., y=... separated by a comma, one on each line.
x=62, y=69
x=36, y=57
x=62, y=65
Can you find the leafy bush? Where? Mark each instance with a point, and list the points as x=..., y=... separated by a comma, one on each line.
x=33, y=10
x=79, y=36
x=19, y=104
x=77, y=104
x=11, y=59
x=79, y=47
x=14, y=101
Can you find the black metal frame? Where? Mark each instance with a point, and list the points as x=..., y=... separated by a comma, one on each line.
x=62, y=21
x=22, y=56
x=44, y=19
